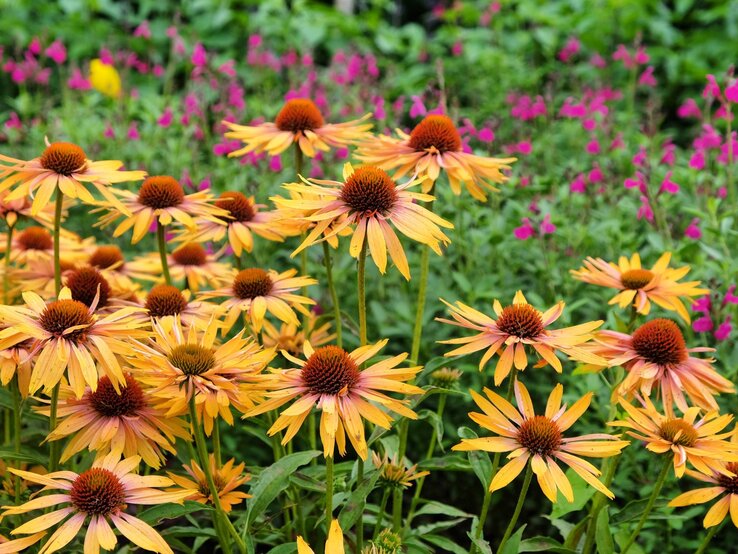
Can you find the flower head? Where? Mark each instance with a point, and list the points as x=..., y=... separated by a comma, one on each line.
x=394, y=474
x=227, y=479
x=540, y=439
x=334, y=544
x=639, y=286
x=722, y=483
x=518, y=326
x=291, y=338
x=105, y=78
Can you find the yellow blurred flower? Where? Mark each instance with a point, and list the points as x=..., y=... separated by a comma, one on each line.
x=104, y=78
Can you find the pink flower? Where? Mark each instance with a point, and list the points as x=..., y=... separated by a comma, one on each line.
x=35, y=46
x=725, y=150
x=379, y=112
x=143, y=30
x=645, y=211
x=199, y=55
x=668, y=157
x=724, y=329
x=697, y=161
x=57, y=52
x=78, y=81
x=525, y=147
x=689, y=109
x=547, y=228
x=342, y=153
x=595, y=175
x=132, y=132
x=457, y=49
x=731, y=92
x=570, y=49
x=622, y=54
x=418, y=108
x=702, y=324
x=578, y=185
x=157, y=70
x=13, y=122
x=639, y=159
x=525, y=231
x=667, y=185
x=275, y=164
x=597, y=61
x=617, y=143
x=641, y=57
x=106, y=56
x=255, y=41
x=109, y=132
x=730, y=298
x=702, y=304
x=647, y=79
x=637, y=181
x=166, y=118
x=693, y=231
x=486, y=134
x=593, y=147
x=712, y=89
x=228, y=68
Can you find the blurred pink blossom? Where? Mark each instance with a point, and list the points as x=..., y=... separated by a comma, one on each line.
x=647, y=79
x=689, y=109
x=525, y=231
x=143, y=30
x=77, y=81
x=165, y=120
x=199, y=55
x=702, y=324
x=724, y=329
x=132, y=132
x=57, y=52
x=693, y=231
x=667, y=185
x=570, y=49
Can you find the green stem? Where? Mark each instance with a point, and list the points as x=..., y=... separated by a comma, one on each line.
x=729, y=189
x=380, y=513
x=651, y=501
x=362, y=294
x=708, y=537
x=57, y=240
x=17, y=411
x=6, y=267
x=334, y=294
x=216, y=442
x=420, y=310
x=518, y=507
x=360, y=521
x=328, y=492
x=162, y=240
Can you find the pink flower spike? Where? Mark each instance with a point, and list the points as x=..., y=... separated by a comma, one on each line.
x=731, y=92
x=647, y=79
x=166, y=118
x=109, y=132
x=667, y=185
x=645, y=211
x=697, y=161
x=702, y=324
x=593, y=147
x=689, y=109
x=712, y=89
x=143, y=30
x=578, y=185
x=730, y=298
x=35, y=46
x=132, y=133
x=275, y=164
x=486, y=135
x=693, y=231
x=199, y=55
x=57, y=52
x=525, y=231
x=547, y=228
x=639, y=159
x=724, y=329
x=418, y=108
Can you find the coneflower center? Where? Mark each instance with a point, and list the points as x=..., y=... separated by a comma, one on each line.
x=63, y=158
x=35, y=238
x=192, y=359
x=730, y=483
x=299, y=114
x=660, y=342
x=61, y=315
x=678, y=431
x=204, y=489
x=84, y=283
x=190, y=254
x=636, y=278
x=252, y=282
x=161, y=191
x=520, y=320
x=97, y=492
x=330, y=370
x=239, y=207
x=164, y=300
x=109, y=403
x=107, y=256
x=435, y=131
x=540, y=435
x=369, y=190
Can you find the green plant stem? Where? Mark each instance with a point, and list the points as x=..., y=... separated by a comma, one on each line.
x=216, y=442
x=360, y=521
x=328, y=492
x=162, y=240
x=708, y=537
x=220, y=518
x=6, y=266
x=57, y=240
x=420, y=310
x=17, y=411
x=361, y=287
x=729, y=189
x=334, y=294
x=651, y=501
x=518, y=507
x=380, y=513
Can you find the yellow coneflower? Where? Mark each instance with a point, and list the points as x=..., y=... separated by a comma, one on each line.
x=13, y=210
x=293, y=220
x=394, y=474
x=70, y=336
x=169, y=301
x=700, y=443
x=434, y=145
x=539, y=439
x=103, y=493
x=255, y=292
x=227, y=479
x=518, y=326
x=334, y=544
x=372, y=202
x=330, y=379
x=109, y=260
x=290, y=337
x=65, y=165
x=16, y=360
x=35, y=243
x=123, y=422
x=298, y=122
x=655, y=356
x=161, y=199
x=639, y=286
x=721, y=483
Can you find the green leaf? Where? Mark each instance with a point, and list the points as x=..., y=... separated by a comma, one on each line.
x=288, y=548
x=435, y=508
x=582, y=493
x=273, y=480
x=445, y=543
x=603, y=535
x=543, y=544
x=480, y=543
x=451, y=462
x=479, y=461
x=158, y=513
x=634, y=509
x=351, y=511
x=31, y=458
x=513, y=543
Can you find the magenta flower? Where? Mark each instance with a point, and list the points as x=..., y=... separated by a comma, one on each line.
x=578, y=185
x=525, y=231
x=593, y=147
x=35, y=46
x=667, y=185
x=143, y=30
x=731, y=92
x=703, y=324
x=132, y=132
x=693, y=231
x=78, y=81
x=165, y=120
x=547, y=228
x=724, y=329
x=57, y=52
x=689, y=109
x=712, y=89
x=418, y=108
x=199, y=55
x=570, y=49
x=645, y=211
x=697, y=161
x=730, y=298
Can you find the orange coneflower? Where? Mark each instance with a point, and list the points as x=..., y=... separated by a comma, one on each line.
x=656, y=356
x=16, y=360
x=517, y=326
x=70, y=336
x=169, y=301
x=639, y=286
x=369, y=199
x=293, y=215
x=701, y=443
x=38, y=275
x=299, y=121
x=434, y=145
x=178, y=363
x=334, y=544
x=109, y=260
x=722, y=483
x=122, y=422
x=227, y=479
x=256, y=292
x=103, y=493
x=291, y=338
x=539, y=439
x=36, y=244
x=332, y=380
x=160, y=199
x=12, y=210
x=243, y=218
x=65, y=165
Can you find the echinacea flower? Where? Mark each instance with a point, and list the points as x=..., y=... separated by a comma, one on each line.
x=255, y=292
x=639, y=286
x=243, y=217
x=103, y=493
x=722, y=483
x=655, y=356
x=227, y=479
x=331, y=379
x=109, y=260
x=70, y=336
x=539, y=440
x=334, y=544
x=290, y=337
x=393, y=473
x=699, y=442
x=169, y=301
x=123, y=422
x=161, y=200
x=64, y=165
x=36, y=243
x=298, y=122
x=190, y=263
x=13, y=210
x=372, y=202
x=434, y=145
x=518, y=326
x=17, y=361
x=179, y=363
